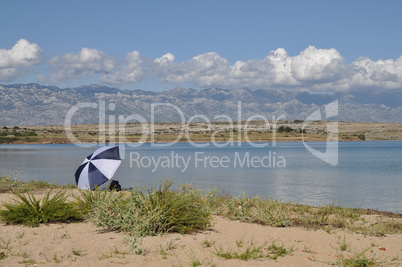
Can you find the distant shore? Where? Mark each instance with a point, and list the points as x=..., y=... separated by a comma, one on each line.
x=254, y=131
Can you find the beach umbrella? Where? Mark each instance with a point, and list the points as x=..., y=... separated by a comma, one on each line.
x=98, y=167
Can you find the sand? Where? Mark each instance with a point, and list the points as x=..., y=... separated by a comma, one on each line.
x=53, y=245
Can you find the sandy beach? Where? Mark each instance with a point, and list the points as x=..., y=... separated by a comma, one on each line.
x=82, y=244
x=201, y=133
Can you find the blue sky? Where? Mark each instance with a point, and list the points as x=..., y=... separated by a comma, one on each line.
x=157, y=45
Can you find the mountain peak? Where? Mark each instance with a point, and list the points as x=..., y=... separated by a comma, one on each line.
x=34, y=104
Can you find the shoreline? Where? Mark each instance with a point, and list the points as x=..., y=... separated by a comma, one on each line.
x=39, y=186
x=199, y=141
x=81, y=243
x=255, y=131
x=368, y=211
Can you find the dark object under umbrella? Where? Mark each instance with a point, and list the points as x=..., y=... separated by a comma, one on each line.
x=98, y=168
x=115, y=185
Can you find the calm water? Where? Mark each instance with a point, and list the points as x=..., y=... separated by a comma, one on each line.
x=369, y=174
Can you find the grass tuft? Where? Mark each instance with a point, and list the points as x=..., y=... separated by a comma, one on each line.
x=30, y=211
x=152, y=211
x=253, y=251
x=79, y=252
x=359, y=259
x=208, y=244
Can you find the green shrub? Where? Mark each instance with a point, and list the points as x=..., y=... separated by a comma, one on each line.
x=30, y=134
x=30, y=211
x=88, y=198
x=186, y=210
x=284, y=129
x=152, y=211
x=120, y=213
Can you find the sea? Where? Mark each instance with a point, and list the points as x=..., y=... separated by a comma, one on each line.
x=365, y=174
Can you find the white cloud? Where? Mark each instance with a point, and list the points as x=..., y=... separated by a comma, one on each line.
x=317, y=65
x=76, y=65
x=133, y=71
x=208, y=69
x=282, y=67
x=313, y=69
x=165, y=59
x=381, y=73
x=16, y=61
x=277, y=69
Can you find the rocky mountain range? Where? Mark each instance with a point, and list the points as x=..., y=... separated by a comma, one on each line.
x=34, y=104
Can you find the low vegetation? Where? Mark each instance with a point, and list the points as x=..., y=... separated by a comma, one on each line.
x=254, y=251
x=355, y=259
x=30, y=211
x=268, y=211
x=8, y=184
x=159, y=209
x=151, y=211
x=16, y=134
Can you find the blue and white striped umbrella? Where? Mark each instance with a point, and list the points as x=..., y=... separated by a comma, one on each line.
x=98, y=168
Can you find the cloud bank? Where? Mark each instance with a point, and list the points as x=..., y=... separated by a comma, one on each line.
x=16, y=61
x=313, y=69
x=73, y=66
